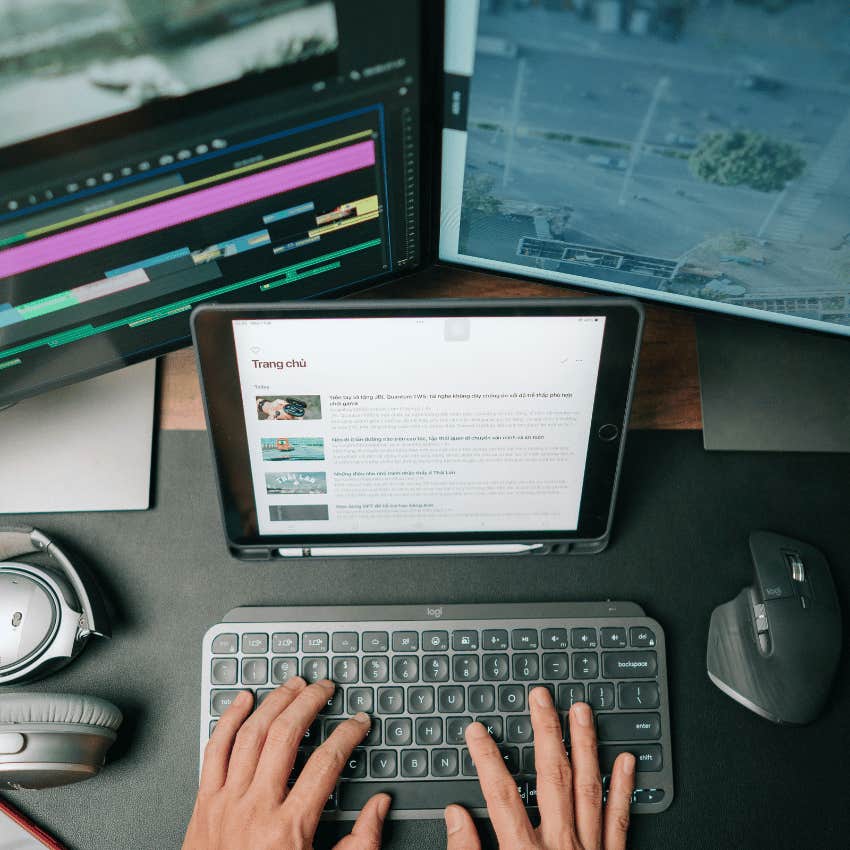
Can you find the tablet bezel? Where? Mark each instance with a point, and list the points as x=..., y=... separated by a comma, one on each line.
x=212, y=332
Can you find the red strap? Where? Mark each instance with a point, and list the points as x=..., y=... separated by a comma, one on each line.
x=29, y=827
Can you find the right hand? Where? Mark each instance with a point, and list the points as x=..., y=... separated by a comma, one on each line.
x=569, y=793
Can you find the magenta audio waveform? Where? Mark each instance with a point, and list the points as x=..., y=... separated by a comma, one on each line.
x=200, y=204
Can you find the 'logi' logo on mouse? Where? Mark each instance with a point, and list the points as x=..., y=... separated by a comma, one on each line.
x=434, y=612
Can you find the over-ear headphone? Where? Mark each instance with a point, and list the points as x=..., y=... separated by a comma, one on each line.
x=47, y=615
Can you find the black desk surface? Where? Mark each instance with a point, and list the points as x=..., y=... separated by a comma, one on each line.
x=679, y=549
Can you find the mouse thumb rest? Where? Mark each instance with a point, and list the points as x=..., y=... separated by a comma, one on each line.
x=786, y=683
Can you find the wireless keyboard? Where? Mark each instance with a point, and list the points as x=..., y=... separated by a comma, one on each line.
x=424, y=673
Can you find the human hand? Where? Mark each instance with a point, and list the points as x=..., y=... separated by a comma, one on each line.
x=569, y=794
x=243, y=799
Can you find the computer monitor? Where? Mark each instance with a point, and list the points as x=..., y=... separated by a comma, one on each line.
x=158, y=154
x=694, y=152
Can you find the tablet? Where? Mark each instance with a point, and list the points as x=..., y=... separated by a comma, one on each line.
x=361, y=427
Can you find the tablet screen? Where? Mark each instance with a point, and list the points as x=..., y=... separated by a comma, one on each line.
x=418, y=424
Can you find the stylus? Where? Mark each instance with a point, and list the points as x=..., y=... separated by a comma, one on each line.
x=27, y=826
x=352, y=551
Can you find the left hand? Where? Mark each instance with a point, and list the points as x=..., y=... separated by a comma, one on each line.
x=244, y=802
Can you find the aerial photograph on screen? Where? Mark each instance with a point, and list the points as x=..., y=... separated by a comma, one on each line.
x=696, y=147
x=77, y=61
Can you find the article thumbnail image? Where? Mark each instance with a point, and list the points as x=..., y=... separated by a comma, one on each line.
x=288, y=408
x=296, y=483
x=292, y=448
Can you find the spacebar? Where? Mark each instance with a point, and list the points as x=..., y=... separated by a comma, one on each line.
x=436, y=794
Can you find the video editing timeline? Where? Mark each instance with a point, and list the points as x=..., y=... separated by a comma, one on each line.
x=312, y=196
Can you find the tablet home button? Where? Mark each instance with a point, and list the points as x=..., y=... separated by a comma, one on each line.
x=609, y=433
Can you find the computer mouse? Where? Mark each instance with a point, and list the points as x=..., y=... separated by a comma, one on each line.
x=775, y=647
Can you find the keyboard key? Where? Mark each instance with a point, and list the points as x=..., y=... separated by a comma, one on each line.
x=313, y=669
x=531, y=793
x=629, y=727
x=332, y=802
x=220, y=701
x=641, y=636
x=424, y=794
x=524, y=639
x=329, y=727
x=335, y=704
x=414, y=763
x=450, y=699
x=262, y=694
x=583, y=638
x=482, y=698
x=585, y=665
x=495, y=668
x=313, y=642
x=511, y=698
x=600, y=696
x=435, y=668
x=375, y=736
x=510, y=755
x=648, y=756
x=495, y=727
x=556, y=665
x=355, y=767
x=456, y=729
x=429, y=731
x=554, y=639
x=435, y=641
x=255, y=643
x=283, y=669
x=345, y=642
x=255, y=671
x=638, y=695
x=613, y=638
x=519, y=729
x=383, y=764
x=361, y=699
x=376, y=642
x=647, y=795
x=390, y=700
x=312, y=737
x=213, y=724
x=225, y=644
x=345, y=670
x=494, y=639
x=399, y=732
x=549, y=687
x=526, y=667
x=284, y=643
x=467, y=764
x=528, y=760
x=405, y=641
x=224, y=671
x=420, y=700
x=444, y=763
x=569, y=694
x=465, y=640
x=465, y=668
x=629, y=665
x=405, y=668
x=376, y=668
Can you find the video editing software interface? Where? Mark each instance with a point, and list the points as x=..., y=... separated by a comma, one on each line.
x=423, y=424
x=696, y=153
x=158, y=154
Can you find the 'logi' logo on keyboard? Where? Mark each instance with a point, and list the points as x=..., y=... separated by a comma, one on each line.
x=434, y=612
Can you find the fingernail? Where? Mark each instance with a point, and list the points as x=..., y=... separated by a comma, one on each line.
x=362, y=718
x=542, y=698
x=583, y=714
x=476, y=731
x=243, y=698
x=454, y=821
x=384, y=806
x=628, y=764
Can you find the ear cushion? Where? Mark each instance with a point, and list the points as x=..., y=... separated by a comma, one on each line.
x=59, y=708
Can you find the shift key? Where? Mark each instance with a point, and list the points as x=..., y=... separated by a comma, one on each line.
x=629, y=665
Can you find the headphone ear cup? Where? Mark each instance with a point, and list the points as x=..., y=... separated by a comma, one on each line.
x=47, y=740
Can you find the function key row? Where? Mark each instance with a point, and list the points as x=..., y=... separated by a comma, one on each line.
x=435, y=640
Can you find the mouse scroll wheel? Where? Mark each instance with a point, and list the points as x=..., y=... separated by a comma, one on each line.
x=795, y=564
x=760, y=613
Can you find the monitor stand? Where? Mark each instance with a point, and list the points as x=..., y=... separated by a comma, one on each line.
x=766, y=387
x=86, y=447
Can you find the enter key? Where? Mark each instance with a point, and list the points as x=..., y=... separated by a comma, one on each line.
x=629, y=727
